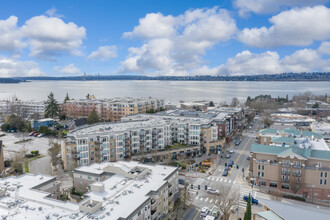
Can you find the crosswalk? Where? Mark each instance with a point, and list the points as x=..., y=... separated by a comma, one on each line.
x=244, y=192
x=219, y=179
x=207, y=199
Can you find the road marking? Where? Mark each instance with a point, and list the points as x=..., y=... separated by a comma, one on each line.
x=206, y=199
x=234, y=182
x=229, y=181
x=211, y=200
x=212, y=178
x=216, y=201
x=197, y=213
x=225, y=180
x=221, y=180
x=197, y=197
x=240, y=155
x=217, y=179
x=201, y=198
x=209, y=177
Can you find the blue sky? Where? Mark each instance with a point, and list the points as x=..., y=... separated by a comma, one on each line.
x=155, y=37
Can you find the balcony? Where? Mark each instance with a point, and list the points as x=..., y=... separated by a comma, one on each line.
x=286, y=172
x=296, y=174
x=285, y=180
x=285, y=165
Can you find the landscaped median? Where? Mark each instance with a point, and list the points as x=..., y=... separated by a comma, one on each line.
x=28, y=161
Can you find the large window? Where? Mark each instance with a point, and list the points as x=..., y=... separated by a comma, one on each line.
x=285, y=186
x=272, y=184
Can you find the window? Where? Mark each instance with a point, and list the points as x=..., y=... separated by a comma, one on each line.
x=96, y=179
x=285, y=187
x=258, y=173
x=258, y=167
x=325, y=182
x=89, y=177
x=262, y=183
x=325, y=174
x=321, y=174
x=263, y=167
x=271, y=184
x=320, y=181
x=262, y=174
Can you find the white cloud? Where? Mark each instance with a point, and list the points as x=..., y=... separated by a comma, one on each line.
x=10, y=67
x=270, y=6
x=176, y=44
x=50, y=36
x=296, y=27
x=324, y=48
x=69, y=69
x=269, y=62
x=104, y=53
x=10, y=36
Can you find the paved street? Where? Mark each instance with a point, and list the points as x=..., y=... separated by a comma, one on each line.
x=234, y=182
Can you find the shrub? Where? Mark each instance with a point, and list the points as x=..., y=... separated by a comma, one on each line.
x=29, y=155
x=35, y=152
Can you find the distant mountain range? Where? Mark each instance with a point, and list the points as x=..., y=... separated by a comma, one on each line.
x=317, y=76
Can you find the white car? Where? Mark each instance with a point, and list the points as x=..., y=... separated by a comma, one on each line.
x=231, y=151
x=212, y=191
x=204, y=212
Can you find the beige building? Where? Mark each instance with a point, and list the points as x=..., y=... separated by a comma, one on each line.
x=117, y=141
x=293, y=170
x=110, y=109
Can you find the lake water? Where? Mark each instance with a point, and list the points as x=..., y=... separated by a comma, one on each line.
x=172, y=91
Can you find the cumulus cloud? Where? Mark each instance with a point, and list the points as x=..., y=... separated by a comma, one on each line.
x=271, y=6
x=295, y=27
x=50, y=36
x=10, y=36
x=69, y=69
x=176, y=44
x=10, y=67
x=269, y=62
x=104, y=53
x=324, y=48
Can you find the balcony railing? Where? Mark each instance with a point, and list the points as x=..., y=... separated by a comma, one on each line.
x=285, y=180
x=296, y=174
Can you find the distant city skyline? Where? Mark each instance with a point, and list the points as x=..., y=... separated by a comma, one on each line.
x=148, y=37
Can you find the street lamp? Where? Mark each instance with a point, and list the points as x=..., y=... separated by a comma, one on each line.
x=313, y=194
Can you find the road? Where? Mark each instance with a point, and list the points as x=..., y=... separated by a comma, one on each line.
x=234, y=182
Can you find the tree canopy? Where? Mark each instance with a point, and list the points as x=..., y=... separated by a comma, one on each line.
x=93, y=117
x=52, y=107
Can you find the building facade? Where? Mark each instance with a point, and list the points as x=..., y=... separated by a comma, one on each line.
x=110, y=109
x=116, y=141
x=23, y=108
x=293, y=170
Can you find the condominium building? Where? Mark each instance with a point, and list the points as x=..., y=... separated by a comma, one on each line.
x=293, y=170
x=110, y=109
x=150, y=190
x=118, y=191
x=23, y=108
x=116, y=141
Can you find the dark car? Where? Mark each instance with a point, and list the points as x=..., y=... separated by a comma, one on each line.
x=181, y=181
x=231, y=163
x=248, y=158
x=253, y=200
x=225, y=173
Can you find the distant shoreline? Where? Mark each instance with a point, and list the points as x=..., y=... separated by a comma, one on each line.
x=284, y=77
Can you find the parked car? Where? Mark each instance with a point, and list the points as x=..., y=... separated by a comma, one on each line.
x=253, y=200
x=248, y=158
x=32, y=133
x=225, y=173
x=212, y=191
x=238, y=142
x=231, y=151
x=35, y=134
x=41, y=135
x=227, y=155
x=226, y=168
x=204, y=212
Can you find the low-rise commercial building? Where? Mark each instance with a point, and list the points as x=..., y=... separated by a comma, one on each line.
x=110, y=109
x=292, y=170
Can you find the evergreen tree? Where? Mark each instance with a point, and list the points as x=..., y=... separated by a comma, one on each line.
x=211, y=104
x=287, y=98
x=87, y=96
x=247, y=214
x=52, y=107
x=93, y=117
x=66, y=98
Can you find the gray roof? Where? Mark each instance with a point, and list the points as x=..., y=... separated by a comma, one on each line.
x=295, y=211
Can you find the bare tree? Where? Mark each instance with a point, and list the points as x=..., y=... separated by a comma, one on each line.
x=225, y=200
x=267, y=120
x=295, y=185
x=235, y=102
x=275, y=195
x=54, y=152
x=185, y=196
